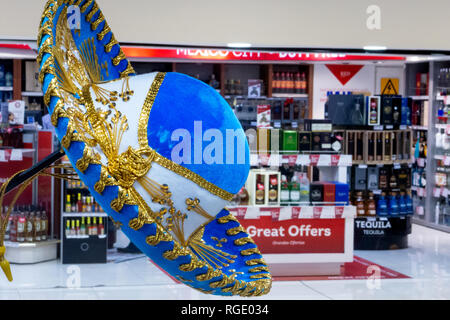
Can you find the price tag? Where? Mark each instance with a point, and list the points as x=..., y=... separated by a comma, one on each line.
x=274, y=160
x=328, y=212
x=445, y=192
x=397, y=166
x=389, y=127
x=324, y=160
x=446, y=161
x=421, y=192
x=421, y=162
x=378, y=128
x=16, y=155
x=3, y=156
x=447, y=129
x=436, y=192
x=362, y=166
x=277, y=124
x=285, y=214
x=303, y=160
x=306, y=212
x=402, y=127
x=254, y=159
x=294, y=124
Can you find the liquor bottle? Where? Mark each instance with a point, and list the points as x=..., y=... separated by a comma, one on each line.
x=298, y=83
x=273, y=189
x=351, y=145
x=304, y=83
x=371, y=208
x=394, y=146
x=77, y=228
x=89, y=226
x=383, y=179
x=68, y=232
x=382, y=207
x=294, y=193
x=283, y=83
x=400, y=143
x=409, y=202
x=403, y=210
x=379, y=147
x=275, y=82
x=439, y=140
x=93, y=204
x=101, y=227
x=94, y=227
x=79, y=203
x=393, y=208
x=393, y=181
x=74, y=206
x=387, y=147
x=44, y=224
x=29, y=227
x=371, y=146
x=73, y=230
x=8, y=224
x=296, y=111
x=284, y=193
x=360, y=205
x=359, y=146
x=37, y=226
x=286, y=111
x=82, y=227
x=13, y=229
x=276, y=110
x=304, y=188
x=260, y=190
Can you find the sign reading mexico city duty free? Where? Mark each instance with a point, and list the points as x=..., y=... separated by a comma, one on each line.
x=245, y=55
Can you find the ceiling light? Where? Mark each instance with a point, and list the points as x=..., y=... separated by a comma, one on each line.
x=239, y=45
x=375, y=48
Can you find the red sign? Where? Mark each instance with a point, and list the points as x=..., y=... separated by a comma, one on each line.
x=245, y=55
x=297, y=235
x=345, y=72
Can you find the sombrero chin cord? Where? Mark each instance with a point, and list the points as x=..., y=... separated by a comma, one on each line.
x=4, y=216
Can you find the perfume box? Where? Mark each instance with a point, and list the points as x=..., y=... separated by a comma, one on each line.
x=316, y=193
x=329, y=193
x=304, y=141
x=289, y=140
x=386, y=111
x=373, y=110
x=372, y=178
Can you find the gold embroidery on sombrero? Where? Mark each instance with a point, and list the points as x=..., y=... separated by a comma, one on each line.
x=194, y=205
x=252, y=288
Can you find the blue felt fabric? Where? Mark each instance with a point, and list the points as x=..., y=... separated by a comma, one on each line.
x=186, y=103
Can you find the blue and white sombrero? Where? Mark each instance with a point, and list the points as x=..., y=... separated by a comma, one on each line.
x=162, y=153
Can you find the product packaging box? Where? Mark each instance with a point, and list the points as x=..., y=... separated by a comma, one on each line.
x=373, y=110
x=304, y=141
x=402, y=177
x=406, y=111
x=263, y=140
x=396, y=111
x=289, y=140
x=321, y=141
x=329, y=193
x=318, y=125
x=386, y=111
x=372, y=178
x=257, y=185
x=31, y=77
x=360, y=178
x=341, y=192
x=316, y=193
x=275, y=146
x=252, y=140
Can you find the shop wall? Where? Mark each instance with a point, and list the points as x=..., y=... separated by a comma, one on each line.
x=392, y=73
x=281, y=23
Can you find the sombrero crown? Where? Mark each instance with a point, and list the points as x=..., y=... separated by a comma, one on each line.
x=162, y=153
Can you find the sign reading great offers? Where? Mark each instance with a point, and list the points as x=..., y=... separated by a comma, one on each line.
x=296, y=235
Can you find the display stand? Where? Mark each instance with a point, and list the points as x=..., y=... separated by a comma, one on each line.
x=301, y=241
x=379, y=233
x=32, y=252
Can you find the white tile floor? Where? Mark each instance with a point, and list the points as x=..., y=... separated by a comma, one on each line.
x=426, y=261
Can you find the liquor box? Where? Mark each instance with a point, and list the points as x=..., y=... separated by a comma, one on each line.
x=329, y=193
x=341, y=192
x=31, y=76
x=338, y=141
x=360, y=178
x=406, y=111
x=396, y=111
x=402, y=176
x=346, y=109
x=264, y=187
x=373, y=110
x=276, y=109
x=386, y=111
x=372, y=178
x=321, y=141
x=387, y=147
x=316, y=193
x=252, y=140
x=289, y=140
x=383, y=178
x=263, y=140
x=304, y=141
x=275, y=135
